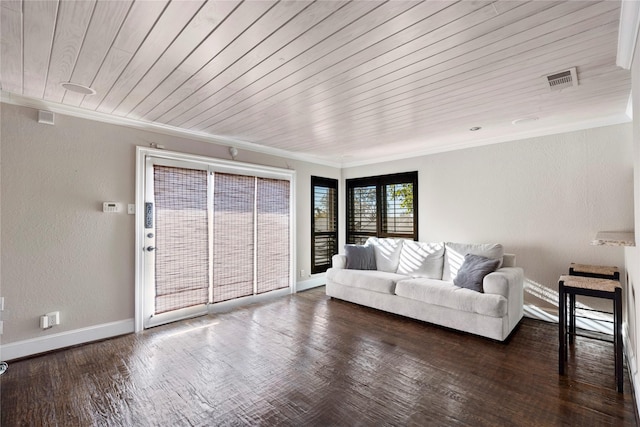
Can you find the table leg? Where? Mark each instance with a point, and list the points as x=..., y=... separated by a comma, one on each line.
x=617, y=313
x=572, y=317
x=562, y=325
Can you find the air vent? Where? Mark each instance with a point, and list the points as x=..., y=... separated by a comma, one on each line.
x=562, y=79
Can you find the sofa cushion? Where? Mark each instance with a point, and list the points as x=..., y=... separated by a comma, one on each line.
x=454, y=256
x=445, y=294
x=387, y=252
x=376, y=281
x=360, y=257
x=473, y=270
x=418, y=259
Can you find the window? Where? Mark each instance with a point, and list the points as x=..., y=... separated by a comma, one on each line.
x=324, y=222
x=382, y=206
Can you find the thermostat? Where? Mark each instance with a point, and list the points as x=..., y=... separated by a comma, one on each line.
x=111, y=207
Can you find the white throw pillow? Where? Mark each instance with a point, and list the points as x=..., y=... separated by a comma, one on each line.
x=454, y=256
x=387, y=252
x=419, y=259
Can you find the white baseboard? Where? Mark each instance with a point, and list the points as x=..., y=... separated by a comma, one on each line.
x=311, y=283
x=30, y=347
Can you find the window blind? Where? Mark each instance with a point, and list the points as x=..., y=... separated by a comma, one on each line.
x=272, y=198
x=182, y=251
x=233, y=236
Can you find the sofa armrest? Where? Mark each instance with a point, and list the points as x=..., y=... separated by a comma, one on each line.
x=506, y=281
x=339, y=261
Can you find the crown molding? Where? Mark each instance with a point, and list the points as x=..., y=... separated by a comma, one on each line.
x=628, y=32
x=14, y=99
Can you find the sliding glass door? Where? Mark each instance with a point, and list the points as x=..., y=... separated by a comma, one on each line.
x=211, y=233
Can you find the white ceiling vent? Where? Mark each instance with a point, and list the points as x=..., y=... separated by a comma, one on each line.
x=562, y=79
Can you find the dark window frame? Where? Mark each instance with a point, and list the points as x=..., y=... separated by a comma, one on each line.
x=331, y=184
x=380, y=182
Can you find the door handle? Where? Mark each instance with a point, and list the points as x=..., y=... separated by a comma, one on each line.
x=150, y=248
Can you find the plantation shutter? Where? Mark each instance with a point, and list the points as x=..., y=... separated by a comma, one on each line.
x=233, y=236
x=272, y=197
x=362, y=214
x=324, y=222
x=397, y=219
x=182, y=250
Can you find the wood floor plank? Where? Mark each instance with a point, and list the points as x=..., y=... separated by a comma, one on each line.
x=307, y=359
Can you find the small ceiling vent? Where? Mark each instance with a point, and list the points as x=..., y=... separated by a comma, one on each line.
x=562, y=79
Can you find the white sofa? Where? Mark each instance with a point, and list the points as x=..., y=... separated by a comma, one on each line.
x=415, y=279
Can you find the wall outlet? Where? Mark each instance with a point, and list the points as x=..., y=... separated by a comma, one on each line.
x=131, y=209
x=1, y=303
x=54, y=318
x=301, y=274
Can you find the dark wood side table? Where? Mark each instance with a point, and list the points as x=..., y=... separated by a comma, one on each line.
x=585, y=270
x=571, y=285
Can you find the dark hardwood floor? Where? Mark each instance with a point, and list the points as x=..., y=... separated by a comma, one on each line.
x=309, y=360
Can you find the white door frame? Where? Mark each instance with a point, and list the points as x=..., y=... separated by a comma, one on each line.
x=218, y=165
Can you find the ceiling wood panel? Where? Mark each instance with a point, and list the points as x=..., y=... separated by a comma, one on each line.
x=39, y=27
x=230, y=61
x=276, y=83
x=263, y=58
x=450, y=57
x=97, y=42
x=357, y=77
x=141, y=19
x=475, y=77
x=203, y=61
x=512, y=96
x=335, y=81
x=392, y=46
x=11, y=47
x=256, y=37
x=321, y=41
x=171, y=23
x=201, y=27
x=517, y=103
x=483, y=109
x=71, y=27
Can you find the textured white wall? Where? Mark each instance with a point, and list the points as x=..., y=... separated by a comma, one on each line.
x=58, y=250
x=542, y=198
x=632, y=254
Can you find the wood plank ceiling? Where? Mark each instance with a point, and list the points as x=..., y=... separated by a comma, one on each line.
x=337, y=81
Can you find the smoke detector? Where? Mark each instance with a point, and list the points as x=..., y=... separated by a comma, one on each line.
x=78, y=88
x=523, y=120
x=562, y=79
